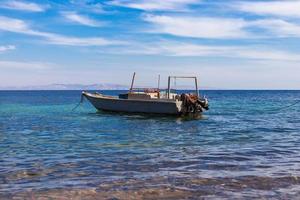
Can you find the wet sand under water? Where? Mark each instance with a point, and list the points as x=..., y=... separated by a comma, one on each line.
x=177, y=188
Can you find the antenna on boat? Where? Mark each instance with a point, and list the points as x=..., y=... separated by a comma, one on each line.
x=196, y=84
x=158, y=82
x=132, y=82
x=158, y=85
x=169, y=86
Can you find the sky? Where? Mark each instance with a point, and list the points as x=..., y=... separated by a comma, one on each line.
x=228, y=44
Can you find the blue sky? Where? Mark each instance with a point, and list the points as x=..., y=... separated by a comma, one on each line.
x=227, y=44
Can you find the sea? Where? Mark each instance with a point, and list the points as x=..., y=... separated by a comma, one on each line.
x=247, y=145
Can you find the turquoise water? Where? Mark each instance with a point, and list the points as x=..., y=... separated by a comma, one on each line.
x=239, y=148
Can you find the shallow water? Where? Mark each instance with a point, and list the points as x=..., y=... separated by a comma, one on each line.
x=242, y=147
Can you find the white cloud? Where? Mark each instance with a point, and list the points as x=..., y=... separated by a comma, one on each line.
x=195, y=50
x=74, y=41
x=24, y=65
x=156, y=5
x=265, y=54
x=221, y=28
x=278, y=27
x=7, y=48
x=19, y=26
x=287, y=8
x=13, y=25
x=23, y=5
x=81, y=19
x=198, y=27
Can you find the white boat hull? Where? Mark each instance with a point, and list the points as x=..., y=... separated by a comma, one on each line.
x=155, y=106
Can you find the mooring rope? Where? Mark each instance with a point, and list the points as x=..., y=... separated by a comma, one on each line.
x=79, y=103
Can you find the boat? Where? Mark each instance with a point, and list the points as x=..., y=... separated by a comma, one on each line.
x=151, y=100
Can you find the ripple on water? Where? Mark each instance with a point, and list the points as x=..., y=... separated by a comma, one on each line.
x=235, y=150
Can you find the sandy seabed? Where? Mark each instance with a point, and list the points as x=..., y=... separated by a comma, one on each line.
x=247, y=187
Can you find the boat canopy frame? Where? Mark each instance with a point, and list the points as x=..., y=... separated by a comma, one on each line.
x=182, y=77
x=169, y=84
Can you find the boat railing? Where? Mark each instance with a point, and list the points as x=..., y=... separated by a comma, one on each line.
x=157, y=90
x=146, y=90
x=182, y=77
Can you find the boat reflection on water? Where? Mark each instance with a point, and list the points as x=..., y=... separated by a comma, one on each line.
x=147, y=116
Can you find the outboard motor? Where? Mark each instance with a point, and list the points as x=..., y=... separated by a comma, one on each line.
x=192, y=104
x=203, y=103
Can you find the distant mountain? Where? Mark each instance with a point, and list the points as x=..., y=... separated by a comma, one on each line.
x=70, y=87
